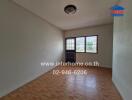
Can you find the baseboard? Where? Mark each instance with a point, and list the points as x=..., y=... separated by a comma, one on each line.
x=117, y=88
x=122, y=88
x=25, y=83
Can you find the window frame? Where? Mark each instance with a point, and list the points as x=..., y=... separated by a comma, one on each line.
x=96, y=45
x=84, y=43
x=74, y=43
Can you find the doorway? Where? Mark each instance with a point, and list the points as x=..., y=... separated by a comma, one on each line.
x=70, y=50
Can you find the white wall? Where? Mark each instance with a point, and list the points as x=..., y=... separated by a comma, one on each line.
x=122, y=52
x=25, y=42
x=105, y=41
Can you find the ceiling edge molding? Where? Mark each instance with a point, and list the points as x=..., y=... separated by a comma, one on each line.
x=89, y=26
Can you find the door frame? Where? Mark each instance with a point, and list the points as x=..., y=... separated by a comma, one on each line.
x=74, y=46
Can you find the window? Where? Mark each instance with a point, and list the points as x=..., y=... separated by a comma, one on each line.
x=86, y=44
x=80, y=44
x=70, y=44
x=91, y=44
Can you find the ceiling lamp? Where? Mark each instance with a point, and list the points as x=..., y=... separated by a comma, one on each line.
x=70, y=9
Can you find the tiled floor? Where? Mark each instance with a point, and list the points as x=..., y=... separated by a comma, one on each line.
x=96, y=85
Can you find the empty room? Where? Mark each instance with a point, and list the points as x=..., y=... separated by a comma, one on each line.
x=65, y=50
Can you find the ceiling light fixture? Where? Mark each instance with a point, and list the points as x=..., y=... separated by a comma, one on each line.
x=70, y=9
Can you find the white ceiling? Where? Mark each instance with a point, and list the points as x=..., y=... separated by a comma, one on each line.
x=90, y=12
